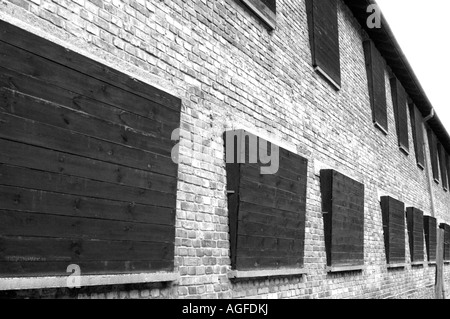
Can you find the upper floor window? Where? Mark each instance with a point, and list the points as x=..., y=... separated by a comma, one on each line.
x=324, y=39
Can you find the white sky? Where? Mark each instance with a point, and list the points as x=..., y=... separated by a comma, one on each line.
x=422, y=28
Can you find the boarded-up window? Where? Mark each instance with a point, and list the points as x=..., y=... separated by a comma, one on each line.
x=417, y=127
x=266, y=10
x=446, y=229
x=377, y=85
x=86, y=175
x=267, y=211
x=414, y=217
x=430, y=227
x=401, y=114
x=432, y=143
x=443, y=165
x=394, y=229
x=324, y=39
x=447, y=161
x=343, y=208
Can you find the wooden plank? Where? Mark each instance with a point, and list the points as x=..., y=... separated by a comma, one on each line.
x=430, y=227
x=443, y=165
x=40, y=111
x=432, y=143
x=105, y=267
x=27, y=63
x=399, y=100
x=38, y=158
x=27, y=131
x=417, y=127
x=38, y=201
x=258, y=229
x=16, y=223
x=60, y=183
x=159, y=124
x=49, y=50
x=394, y=229
x=344, y=219
x=377, y=86
x=415, y=232
x=26, y=249
x=263, y=243
x=247, y=263
x=324, y=36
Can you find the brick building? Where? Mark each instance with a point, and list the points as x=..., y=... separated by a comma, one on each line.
x=93, y=93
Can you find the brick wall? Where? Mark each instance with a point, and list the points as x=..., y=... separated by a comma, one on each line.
x=231, y=72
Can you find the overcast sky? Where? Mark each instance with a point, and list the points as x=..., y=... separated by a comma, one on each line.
x=422, y=28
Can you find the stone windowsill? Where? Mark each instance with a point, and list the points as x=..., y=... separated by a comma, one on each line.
x=399, y=265
x=27, y=283
x=239, y=274
x=319, y=70
x=336, y=269
x=418, y=263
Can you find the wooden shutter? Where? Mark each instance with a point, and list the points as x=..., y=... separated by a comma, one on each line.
x=394, y=229
x=446, y=229
x=267, y=212
x=415, y=232
x=417, y=127
x=324, y=39
x=430, y=227
x=86, y=175
x=377, y=85
x=447, y=160
x=432, y=143
x=343, y=208
x=401, y=115
x=266, y=10
x=443, y=165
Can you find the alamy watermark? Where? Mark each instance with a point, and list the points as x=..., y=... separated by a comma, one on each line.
x=239, y=146
x=374, y=20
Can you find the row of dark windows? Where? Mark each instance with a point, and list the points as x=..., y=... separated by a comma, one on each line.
x=268, y=214
x=324, y=40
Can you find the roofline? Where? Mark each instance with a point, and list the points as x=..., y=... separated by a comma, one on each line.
x=389, y=48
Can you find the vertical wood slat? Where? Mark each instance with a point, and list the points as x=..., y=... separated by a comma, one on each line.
x=343, y=208
x=443, y=165
x=446, y=229
x=324, y=39
x=430, y=228
x=432, y=144
x=377, y=85
x=439, y=286
x=418, y=137
x=401, y=116
x=267, y=213
x=393, y=212
x=415, y=232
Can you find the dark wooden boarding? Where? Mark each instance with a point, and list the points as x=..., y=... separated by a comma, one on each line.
x=446, y=229
x=266, y=212
x=343, y=209
x=434, y=158
x=324, y=38
x=414, y=218
x=86, y=175
x=394, y=229
x=418, y=137
x=430, y=228
x=442, y=154
x=375, y=67
x=399, y=99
